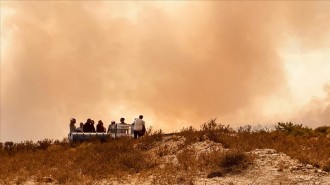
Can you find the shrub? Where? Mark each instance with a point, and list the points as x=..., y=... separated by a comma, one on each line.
x=191, y=134
x=293, y=129
x=187, y=160
x=234, y=161
x=322, y=130
x=44, y=144
x=326, y=166
x=25, y=146
x=245, y=129
x=149, y=139
x=213, y=126
x=222, y=163
x=9, y=145
x=214, y=131
x=215, y=174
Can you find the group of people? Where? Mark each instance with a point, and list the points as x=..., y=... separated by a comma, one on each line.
x=137, y=127
x=87, y=127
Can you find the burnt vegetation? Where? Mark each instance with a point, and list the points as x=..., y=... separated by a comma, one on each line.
x=75, y=163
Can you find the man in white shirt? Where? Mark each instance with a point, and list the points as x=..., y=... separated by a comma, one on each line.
x=122, y=128
x=139, y=127
x=80, y=128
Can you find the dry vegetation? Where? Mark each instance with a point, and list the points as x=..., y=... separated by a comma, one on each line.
x=61, y=162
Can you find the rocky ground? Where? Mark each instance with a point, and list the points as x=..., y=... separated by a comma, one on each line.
x=268, y=167
x=271, y=167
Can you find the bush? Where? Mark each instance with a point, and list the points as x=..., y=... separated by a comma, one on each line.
x=150, y=139
x=322, y=130
x=293, y=129
x=235, y=161
x=232, y=161
x=213, y=126
x=215, y=174
x=326, y=166
x=187, y=160
x=25, y=146
x=44, y=144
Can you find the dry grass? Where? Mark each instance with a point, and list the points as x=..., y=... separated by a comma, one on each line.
x=72, y=164
x=86, y=162
x=326, y=166
x=230, y=162
x=306, y=145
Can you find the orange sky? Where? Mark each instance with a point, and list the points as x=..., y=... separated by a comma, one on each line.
x=177, y=63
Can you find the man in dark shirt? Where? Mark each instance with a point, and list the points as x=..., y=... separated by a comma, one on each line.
x=87, y=126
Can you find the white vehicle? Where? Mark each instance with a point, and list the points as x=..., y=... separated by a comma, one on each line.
x=120, y=130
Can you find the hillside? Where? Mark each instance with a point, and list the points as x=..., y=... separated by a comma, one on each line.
x=215, y=154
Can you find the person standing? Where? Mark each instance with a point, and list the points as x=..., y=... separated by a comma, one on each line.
x=122, y=127
x=132, y=126
x=80, y=128
x=112, y=127
x=92, y=127
x=72, y=126
x=100, y=127
x=87, y=126
x=139, y=127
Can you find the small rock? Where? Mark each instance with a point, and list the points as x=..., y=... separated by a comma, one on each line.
x=48, y=179
x=295, y=168
x=271, y=151
x=299, y=166
x=309, y=166
x=307, y=178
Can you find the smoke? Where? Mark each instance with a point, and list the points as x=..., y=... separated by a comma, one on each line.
x=177, y=63
x=316, y=112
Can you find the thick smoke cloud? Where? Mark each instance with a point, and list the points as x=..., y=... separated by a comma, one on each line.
x=316, y=112
x=106, y=60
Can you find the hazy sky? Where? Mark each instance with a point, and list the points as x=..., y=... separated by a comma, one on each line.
x=177, y=63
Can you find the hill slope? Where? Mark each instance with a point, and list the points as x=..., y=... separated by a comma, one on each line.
x=212, y=155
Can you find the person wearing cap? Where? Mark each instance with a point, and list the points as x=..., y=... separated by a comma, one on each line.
x=112, y=127
x=72, y=126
